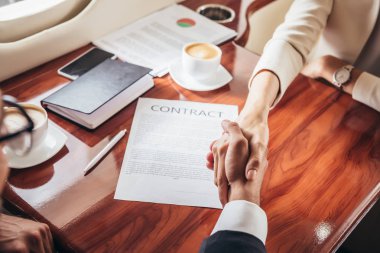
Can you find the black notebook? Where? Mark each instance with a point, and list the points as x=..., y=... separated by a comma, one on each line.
x=100, y=93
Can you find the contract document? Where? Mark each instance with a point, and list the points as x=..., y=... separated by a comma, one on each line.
x=165, y=159
x=156, y=40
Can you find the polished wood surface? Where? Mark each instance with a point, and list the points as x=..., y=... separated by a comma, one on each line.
x=323, y=174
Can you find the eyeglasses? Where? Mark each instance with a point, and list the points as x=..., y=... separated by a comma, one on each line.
x=15, y=132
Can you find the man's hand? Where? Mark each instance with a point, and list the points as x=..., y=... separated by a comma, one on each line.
x=239, y=162
x=22, y=235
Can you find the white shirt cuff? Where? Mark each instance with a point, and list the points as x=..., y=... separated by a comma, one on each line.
x=243, y=216
x=367, y=90
x=283, y=60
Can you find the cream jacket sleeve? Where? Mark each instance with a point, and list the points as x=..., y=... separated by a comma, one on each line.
x=367, y=90
x=286, y=52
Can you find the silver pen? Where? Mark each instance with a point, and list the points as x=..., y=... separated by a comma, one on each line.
x=104, y=151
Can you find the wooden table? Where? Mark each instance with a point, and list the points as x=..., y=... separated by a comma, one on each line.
x=323, y=175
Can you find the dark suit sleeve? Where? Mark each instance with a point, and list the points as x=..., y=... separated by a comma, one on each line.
x=232, y=241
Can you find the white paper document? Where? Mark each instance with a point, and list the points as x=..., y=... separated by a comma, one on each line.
x=157, y=40
x=165, y=159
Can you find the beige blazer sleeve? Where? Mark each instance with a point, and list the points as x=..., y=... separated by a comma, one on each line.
x=285, y=53
x=367, y=90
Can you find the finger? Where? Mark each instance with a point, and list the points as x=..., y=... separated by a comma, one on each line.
x=212, y=144
x=35, y=241
x=222, y=181
x=210, y=159
x=252, y=174
x=51, y=242
x=46, y=243
x=223, y=192
x=41, y=248
x=231, y=128
x=236, y=157
x=48, y=239
x=255, y=180
x=215, y=154
x=251, y=169
x=254, y=169
x=257, y=161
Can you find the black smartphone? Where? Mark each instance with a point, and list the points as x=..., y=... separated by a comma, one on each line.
x=84, y=63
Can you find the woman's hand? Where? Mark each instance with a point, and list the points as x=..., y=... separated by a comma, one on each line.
x=325, y=67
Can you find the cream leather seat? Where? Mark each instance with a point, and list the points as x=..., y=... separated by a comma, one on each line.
x=24, y=49
x=25, y=18
x=263, y=23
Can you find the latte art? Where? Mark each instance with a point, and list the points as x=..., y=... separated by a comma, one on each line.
x=202, y=51
x=201, y=60
x=15, y=121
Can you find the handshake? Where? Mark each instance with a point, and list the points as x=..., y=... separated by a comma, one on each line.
x=238, y=159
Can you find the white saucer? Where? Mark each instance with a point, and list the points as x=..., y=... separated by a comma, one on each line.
x=55, y=140
x=222, y=78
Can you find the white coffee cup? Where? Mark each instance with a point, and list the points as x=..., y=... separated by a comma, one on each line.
x=13, y=119
x=201, y=60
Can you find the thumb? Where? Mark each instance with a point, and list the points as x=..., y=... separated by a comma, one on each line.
x=254, y=166
x=257, y=161
x=251, y=168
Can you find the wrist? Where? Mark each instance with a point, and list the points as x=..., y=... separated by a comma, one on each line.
x=250, y=117
x=255, y=111
x=349, y=87
x=241, y=192
x=329, y=65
